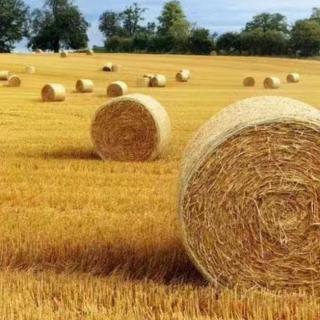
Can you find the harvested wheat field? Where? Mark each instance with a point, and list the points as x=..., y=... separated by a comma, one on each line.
x=83, y=238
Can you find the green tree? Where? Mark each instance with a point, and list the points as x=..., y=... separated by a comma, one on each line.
x=267, y=22
x=110, y=24
x=172, y=15
x=200, y=41
x=315, y=15
x=60, y=24
x=13, y=23
x=305, y=37
x=132, y=17
x=229, y=42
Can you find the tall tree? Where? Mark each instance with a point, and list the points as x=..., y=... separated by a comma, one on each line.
x=13, y=23
x=229, y=42
x=60, y=24
x=110, y=24
x=305, y=37
x=172, y=14
x=267, y=22
x=200, y=41
x=132, y=17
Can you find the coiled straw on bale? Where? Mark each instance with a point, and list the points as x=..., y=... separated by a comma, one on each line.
x=107, y=67
x=30, y=69
x=131, y=128
x=84, y=86
x=14, y=81
x=249, y=197
x=158, y=80
x=183, y=75
x=293, y=78
x=53, y=92
x=4, y=75
x=272, y=83
x=117, y=89
x=249, y=82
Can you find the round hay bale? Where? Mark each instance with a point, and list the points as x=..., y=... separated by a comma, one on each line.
x=249, y=195
x=30, y=69
x=143, y=82
x=63, y=54
x=249, y=82
x=53, y=92
x=213, y=53
x=89, y=52
x=84, y=86
x=14, y=81
x=158, y=80
x=107, y=67
x=131, y=128
x=293, y=78
x=116, y=67
x=183, y=75
x=4, y=75
x=38, y=51
x=117, y=89
x=272, y=83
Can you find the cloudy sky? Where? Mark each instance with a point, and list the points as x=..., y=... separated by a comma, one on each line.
x=216, y=15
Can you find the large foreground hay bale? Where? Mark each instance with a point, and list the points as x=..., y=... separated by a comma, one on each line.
x=30, y=69
x=249, y=197
x=131, y=128
x=183, y=75
x=158, y=80
x=272, y=83
x=84, y=86
x=117, y=89
x=107, y=67
x=53, y=92
x=4, y=75
x=249, y=82
x=14, y=81
x=293, y=78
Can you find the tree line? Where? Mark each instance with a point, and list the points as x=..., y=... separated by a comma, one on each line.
x=59, y=24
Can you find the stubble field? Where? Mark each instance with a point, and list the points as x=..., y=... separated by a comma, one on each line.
x=85, y=239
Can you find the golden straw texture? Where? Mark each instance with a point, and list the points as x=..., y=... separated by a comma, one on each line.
x=30, y=69
x=116, y=67
x=107, y=67
x=158, y=80
x=117, y=89
x=53, y=92
x=14, y=81
x=249, y=82
x=131, y=128
x=272, y=83
x=143, y=82
x=84, y=86
x=4, y=75
x=249, y=195
x=293, y=78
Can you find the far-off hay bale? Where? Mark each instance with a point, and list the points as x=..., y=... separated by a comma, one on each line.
x=158, y=80
x=30, y=69
x=14, y=81
x=84, y=86
x=131, y=128
x=107, y=67
x=4, y=75
x=249, y=82
x=249, y=195
x=116, y=67
x=89, y=52
x=213, y=53
x=293, y=78
x=53, y=92
x=272, y=83
x=38, y=51
x=143, y=82
x=63, y=54
x=183, y=75
x=117, y=89
x=148, y=75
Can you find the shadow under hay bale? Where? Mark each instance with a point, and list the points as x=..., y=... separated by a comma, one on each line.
x=249, y=200
x=131, y=128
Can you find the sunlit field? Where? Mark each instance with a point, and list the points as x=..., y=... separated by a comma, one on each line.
x=85, y=239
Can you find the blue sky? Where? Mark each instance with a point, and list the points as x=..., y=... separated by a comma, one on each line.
x=216, y=15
